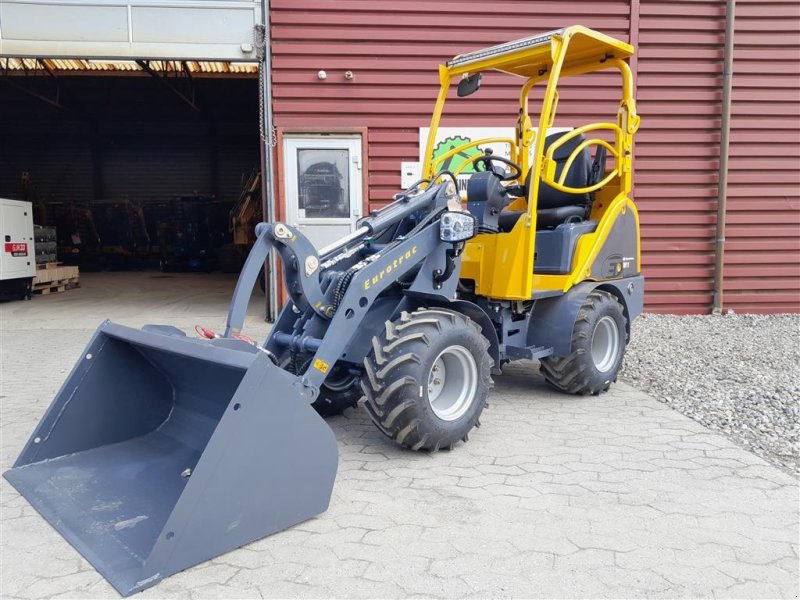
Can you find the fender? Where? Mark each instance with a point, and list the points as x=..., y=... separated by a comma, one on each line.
x=552, y=320
x=477, y=314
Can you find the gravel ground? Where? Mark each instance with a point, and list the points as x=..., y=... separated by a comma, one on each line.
x=737, y=374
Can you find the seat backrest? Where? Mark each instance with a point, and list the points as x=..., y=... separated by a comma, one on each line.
x=580, y=174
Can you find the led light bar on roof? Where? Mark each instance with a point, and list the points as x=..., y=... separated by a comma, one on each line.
x=501, y=49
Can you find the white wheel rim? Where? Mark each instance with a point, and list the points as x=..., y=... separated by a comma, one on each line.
x=452, y=383
x=605, y=344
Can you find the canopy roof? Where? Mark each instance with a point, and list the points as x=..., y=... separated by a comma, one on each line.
x=533, y=56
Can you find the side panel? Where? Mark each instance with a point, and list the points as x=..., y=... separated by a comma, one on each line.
x=617, y=256
x=500, y=264
x=613, y=250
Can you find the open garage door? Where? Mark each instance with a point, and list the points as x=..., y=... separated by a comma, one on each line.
x=152, y=105
x=135, y=128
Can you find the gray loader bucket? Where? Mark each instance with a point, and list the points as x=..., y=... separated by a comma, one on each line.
x=160, y=452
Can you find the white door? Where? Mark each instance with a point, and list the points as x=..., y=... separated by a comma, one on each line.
x=323, y=185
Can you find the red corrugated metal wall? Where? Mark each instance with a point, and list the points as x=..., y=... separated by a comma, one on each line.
x=762, y=260
x=679, y=64
x=394, y=49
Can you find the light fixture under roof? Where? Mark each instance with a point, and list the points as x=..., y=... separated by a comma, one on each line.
x=501, y=49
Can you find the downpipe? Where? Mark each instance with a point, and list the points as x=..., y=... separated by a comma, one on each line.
x=724, y=148
x=267, y=164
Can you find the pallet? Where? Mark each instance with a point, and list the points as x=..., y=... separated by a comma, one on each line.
x=52, y=287
x=53, y=278
x=50, y=265
x=49, y=275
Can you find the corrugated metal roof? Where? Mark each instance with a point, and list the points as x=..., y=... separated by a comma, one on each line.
x=67, y=65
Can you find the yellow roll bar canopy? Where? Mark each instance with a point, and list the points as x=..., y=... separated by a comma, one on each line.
x=546, y=57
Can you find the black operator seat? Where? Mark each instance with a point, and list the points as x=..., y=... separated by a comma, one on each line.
x=554, y=206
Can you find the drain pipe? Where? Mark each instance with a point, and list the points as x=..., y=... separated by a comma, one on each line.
x=267, y=134
x=724, y=144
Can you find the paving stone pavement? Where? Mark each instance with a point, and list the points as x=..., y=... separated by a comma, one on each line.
x=554, y=496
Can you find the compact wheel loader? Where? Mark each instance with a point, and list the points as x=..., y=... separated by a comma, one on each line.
x=161, y=451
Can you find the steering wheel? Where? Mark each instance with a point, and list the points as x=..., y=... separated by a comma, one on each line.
x=487, y=159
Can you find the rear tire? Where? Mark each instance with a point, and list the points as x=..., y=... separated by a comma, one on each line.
x=427, y=378
x=598, y=346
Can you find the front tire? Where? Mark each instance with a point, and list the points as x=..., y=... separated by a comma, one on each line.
x=599, y=338
x=427, y=378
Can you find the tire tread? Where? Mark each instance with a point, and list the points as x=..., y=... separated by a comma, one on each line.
x=391, y=394
x=571, y=374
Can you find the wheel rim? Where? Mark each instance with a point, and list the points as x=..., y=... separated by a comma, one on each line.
x=605, y=344
x=452, y=383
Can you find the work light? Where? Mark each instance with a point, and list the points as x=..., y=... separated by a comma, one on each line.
x=456, y=226
x=501, y=49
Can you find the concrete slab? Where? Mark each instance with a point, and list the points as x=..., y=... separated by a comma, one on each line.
x=554, y=496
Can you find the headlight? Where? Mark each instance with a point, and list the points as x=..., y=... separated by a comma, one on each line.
x=456, y=227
